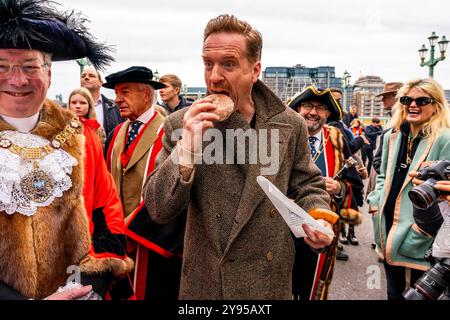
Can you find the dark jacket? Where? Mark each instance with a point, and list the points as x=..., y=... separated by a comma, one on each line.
x=372, y=133
x=377, y=156
x=348, y=118
x=183, y=104
x=353, y=143
x=111, y=115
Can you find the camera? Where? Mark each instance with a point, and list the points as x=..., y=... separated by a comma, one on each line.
x=434, y=284
x=425, y=195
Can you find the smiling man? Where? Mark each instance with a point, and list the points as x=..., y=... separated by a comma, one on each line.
x=236, y=245
x=329, y=152
x=59, y=209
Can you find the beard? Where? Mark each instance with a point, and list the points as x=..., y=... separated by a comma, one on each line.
x=313, y=128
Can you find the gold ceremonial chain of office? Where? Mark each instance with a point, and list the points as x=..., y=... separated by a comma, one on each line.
x=35, y=153
x=38, y=185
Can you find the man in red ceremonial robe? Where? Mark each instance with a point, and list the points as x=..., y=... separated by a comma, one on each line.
x=131, y=155
x=313, y=271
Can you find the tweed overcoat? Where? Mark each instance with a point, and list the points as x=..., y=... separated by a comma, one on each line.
x=257, y=259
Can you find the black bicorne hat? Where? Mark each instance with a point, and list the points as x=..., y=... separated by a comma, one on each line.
x=38, y=25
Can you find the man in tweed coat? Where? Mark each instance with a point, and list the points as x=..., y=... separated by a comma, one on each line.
x=236, y=245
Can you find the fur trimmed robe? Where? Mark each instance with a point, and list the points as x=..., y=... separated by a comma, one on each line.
x=37, y=250
x=348, y=210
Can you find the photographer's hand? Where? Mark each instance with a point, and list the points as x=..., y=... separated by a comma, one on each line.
x=415, y=180
x=444, y=185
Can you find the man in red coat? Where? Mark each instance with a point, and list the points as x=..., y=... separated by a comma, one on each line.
x=131, y=156
x=59, y=209
x=313, y=271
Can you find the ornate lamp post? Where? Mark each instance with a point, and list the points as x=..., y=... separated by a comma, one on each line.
x=82, y=63
x=156, y=75
x=346, y=83
x=433, y=61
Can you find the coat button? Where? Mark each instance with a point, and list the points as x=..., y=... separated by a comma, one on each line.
x=218, y=216
x=269, y=256
x=273, y=213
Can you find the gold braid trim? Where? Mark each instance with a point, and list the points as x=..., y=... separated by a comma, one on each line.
x=41, y=152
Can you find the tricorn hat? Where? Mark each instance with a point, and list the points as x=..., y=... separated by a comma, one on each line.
x=324, y=96
x=390, y=88
x=38, y=25
x=132, y=74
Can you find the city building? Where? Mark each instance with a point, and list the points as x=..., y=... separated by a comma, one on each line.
x=194, y=93
x=447, y=95
x=364, y=97
x=288, y=81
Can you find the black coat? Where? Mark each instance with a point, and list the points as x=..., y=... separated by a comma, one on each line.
x=111, y=115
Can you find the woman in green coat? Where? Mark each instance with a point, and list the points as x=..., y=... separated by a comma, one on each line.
x=420, y=133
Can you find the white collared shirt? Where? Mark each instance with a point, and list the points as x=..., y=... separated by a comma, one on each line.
x=23, y=124
x=144, y=118
x=99, y=111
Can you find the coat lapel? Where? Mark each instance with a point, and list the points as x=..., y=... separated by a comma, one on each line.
x=252, y=194
x=146, y=141
x=421, y=154
x=266, y=107
x=119, y=145
x=394, y=147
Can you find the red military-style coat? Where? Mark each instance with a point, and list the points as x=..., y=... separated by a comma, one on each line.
x=83, y=226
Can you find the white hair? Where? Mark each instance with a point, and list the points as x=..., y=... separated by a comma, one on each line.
x=143, y=86
x=47, y=59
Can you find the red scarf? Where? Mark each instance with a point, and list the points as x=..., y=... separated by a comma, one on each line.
x=126, y=155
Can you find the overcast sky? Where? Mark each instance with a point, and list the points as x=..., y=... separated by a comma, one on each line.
x=363, y=37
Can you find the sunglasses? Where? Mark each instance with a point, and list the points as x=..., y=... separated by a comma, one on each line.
x=420, y=101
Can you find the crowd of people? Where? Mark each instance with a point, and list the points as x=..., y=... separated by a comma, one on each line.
x=106, y=199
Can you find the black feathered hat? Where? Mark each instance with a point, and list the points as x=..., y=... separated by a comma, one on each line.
x=319, y=95
x=38, y=25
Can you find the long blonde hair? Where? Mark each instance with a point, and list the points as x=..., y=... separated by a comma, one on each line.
x=91, y=108
x=441, y=116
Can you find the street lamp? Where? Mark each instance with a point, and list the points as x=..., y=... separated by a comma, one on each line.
x=82, y=63
x=346, y=79
x=432, y=61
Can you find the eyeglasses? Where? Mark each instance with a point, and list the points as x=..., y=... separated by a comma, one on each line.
x=309, y=106
x=29, y=70
x=420, y=101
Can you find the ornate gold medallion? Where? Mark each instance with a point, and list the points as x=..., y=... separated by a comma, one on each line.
x=37, y=186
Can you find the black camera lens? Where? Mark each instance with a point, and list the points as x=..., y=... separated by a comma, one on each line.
x=431, y=285
x=414, y=294
x=425, y=195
